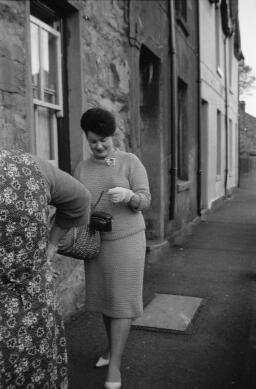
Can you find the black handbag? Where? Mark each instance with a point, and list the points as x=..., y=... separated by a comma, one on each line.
x=84, y=242
x=101, y=221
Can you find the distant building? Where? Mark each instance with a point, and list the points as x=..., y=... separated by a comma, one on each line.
x=247, y=131
x=247, y=141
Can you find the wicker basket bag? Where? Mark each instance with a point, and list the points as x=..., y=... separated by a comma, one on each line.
x=84, y=242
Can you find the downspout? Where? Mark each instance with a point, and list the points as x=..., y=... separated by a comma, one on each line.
x=239, y=134
x=226, y=117
x=199, y=156
x=173, y=95
x=239, y=142
x=225, y=14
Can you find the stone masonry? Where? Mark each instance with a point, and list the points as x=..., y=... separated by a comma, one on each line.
x=106, y=69
x=13, y=126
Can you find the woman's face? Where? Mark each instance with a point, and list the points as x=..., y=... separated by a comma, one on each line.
x=101, y=146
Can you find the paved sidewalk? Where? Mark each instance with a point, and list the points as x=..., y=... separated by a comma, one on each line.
x=216, y=263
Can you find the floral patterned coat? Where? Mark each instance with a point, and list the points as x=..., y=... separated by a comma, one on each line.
x=32, y=342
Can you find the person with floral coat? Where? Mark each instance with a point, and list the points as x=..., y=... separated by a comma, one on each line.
x=32, y=341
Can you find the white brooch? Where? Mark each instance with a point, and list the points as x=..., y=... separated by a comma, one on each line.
x=110, y=161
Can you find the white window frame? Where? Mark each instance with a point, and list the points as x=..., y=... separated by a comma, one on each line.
x=56, y=109
x=231, y=45
x=218, y=41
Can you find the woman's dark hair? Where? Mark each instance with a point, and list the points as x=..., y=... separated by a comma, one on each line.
x=99, y=121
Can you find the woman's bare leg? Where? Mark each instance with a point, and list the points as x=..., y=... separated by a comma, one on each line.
x=107, y=324
x=119, y=331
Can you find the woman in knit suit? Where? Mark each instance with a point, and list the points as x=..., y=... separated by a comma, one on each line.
x=114, y=279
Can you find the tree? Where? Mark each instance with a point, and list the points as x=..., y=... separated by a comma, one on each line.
x=246, y=79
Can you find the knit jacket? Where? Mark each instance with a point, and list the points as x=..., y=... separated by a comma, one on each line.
x=125, y=170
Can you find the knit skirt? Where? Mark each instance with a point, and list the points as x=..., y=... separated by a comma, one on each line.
x=114, y=280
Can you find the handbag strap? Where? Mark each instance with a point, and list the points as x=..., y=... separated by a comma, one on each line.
x=99, y=198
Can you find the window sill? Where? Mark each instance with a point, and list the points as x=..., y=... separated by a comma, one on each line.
x=182, y=186
x=219, y=72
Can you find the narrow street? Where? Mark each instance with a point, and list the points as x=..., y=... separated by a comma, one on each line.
x=216, y=263
x=176, y=80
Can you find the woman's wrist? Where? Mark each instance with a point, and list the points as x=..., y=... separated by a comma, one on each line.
x=134, y=202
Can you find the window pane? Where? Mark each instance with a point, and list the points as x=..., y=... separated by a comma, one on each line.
x=181, y=8
x=45, y=127
x=184, y=9
x=217, y=36
x=230, y=154
x=35, y=59
x=230, y=62
x=49, y=64
x=182, y=131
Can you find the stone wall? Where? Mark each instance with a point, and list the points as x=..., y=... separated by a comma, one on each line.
x=105, y=62
x=13, y=126
x=69, y=285
x=187, y=72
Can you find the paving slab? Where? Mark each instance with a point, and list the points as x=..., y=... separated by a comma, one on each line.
x=168, y=312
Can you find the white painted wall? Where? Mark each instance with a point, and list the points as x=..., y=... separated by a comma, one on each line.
x=213, y=92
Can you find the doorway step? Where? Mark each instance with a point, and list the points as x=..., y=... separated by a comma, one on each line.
x=156, y=249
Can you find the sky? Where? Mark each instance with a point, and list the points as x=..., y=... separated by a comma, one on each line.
x=247, y=20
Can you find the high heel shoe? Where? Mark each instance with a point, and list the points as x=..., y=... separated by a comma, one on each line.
x=112, y=385
x=101, y=362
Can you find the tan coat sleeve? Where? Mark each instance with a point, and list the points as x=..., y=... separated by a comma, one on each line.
x=71, y=199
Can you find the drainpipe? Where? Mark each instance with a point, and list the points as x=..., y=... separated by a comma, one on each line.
x=239, y=143
x=239, y=136
x=226, y=116
x=199, y=156
x=173, y=86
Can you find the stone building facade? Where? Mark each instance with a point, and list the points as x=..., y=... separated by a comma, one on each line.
x=139, y=59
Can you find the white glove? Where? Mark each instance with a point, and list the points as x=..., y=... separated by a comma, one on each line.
x=119, y=194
